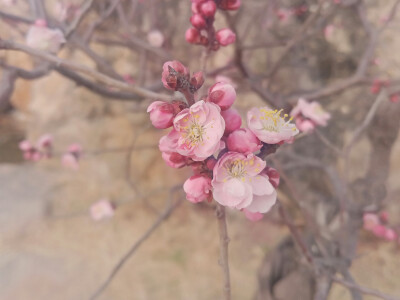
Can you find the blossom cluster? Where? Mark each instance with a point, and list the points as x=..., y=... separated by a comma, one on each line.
x=309, y=115
x=379, y=226
x=202, y=20
x=43, y=149
x=227, y=161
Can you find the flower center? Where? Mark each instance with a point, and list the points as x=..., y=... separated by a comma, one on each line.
x=236, y=169
x=195, y=133
x=272, y=121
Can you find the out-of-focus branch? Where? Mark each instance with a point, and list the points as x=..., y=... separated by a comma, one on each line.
x=59, y=62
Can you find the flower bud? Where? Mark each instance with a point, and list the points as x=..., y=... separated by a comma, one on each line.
x=243, y=141
x=198, y=188
x=174, y=160
x=225, y=37
x=208, y=8
x=161, y=114
x=233, y=120
x=273, y=176
x=197, y=80
x=192, y=36
x=222, y=94
x=171, y=71
x=198, y=21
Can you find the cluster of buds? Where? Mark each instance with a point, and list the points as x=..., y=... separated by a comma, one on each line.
x=309, y=115
x=43, y=38
x=202, y=20
x=379, y=226
x=227, y=161
x=42, y=149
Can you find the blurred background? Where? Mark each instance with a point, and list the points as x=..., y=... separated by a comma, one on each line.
x=66, y=222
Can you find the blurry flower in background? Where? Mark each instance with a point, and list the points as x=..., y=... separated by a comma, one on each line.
x=71, y=158
x=155, y=38
x=309, y=115
x=102, y=209
x=41, y=37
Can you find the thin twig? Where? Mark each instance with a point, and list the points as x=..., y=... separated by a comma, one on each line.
x=167, y=212
x=223, y=245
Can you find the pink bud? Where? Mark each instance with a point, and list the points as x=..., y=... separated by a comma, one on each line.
x=198, y=21
x=197, y=80
x=254, y=217
x=192, y=36
x=208, y=8
x=70, y=161
x=174, y=160
x=225, y=37
x=25, y=145
x=198, y=188
x=161, y=114
x=273, y=176
x=243, y=141
x=222, y=94
x=75, y=148
x=229, y=4
x=233, y=120
x=45, y=142
x=170, y=79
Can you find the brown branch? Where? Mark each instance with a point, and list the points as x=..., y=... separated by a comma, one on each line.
x=83, y=11
x=59, y=62
x=223, y=245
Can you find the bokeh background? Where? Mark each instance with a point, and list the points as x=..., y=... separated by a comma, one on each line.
x=50, y=247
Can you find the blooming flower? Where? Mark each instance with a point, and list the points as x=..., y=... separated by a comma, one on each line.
x=269, y=126
x=167, y=146
x=198, y=188
x=244, y=141
x=308, y=115
x=198, y=130
x=41, y=37
x=101, y=209
x=238, y=182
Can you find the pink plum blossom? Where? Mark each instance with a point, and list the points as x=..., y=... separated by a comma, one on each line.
x=254, y=217
x=223, y=94
x=233, y=120
x=161, y=114
x=198, y=130
x=198, y=188
x=243, y=141
x=269, y=126
x=168, y=146
x=238, y=183
x=29, y=151
x=225, y=37
x=71, y=158
x=155, y=38
x=308, y=115
x=41, y=37
x=101, y=210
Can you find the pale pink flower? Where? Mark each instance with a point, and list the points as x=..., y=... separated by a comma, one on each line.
x=198, y=188
x=101, y=209
x=244, y=141
x=161, y=114
x=223, y=94
x=254, y=217
x=370, y=221
x=225, y=37
x=311, y=111
x=198, y=130
x=167, y=146
x=41, y=37
x=269, y=126
x=25, y=145
x=233, y=120
x=29, y=151
x=155, y=38
x=304, y=125
x=238, y=183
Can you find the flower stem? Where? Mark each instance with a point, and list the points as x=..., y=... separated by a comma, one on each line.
x=223, y=241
